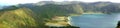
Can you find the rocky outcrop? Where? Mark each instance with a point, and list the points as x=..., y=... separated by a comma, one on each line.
x=118, y=25
x=59, y=22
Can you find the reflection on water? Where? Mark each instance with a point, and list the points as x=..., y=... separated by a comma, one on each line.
x=95, y=21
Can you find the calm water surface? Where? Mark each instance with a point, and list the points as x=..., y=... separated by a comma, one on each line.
x=95, y=20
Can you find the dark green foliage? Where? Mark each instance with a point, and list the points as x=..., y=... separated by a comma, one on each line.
x=104, y=7
x=50, y=10
x=9, y=8
x=63, y=27
x=118, y=24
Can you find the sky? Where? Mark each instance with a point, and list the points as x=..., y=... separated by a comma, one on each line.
x=14, y=2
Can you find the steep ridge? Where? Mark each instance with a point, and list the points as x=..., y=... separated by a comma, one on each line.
x=19, y=18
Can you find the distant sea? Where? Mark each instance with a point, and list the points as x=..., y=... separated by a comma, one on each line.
x=95, y=20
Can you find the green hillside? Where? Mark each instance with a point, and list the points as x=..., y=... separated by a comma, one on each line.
x=19, y=18
x=25, y=17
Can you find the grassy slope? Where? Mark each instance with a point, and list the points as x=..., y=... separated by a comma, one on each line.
x=19, y=18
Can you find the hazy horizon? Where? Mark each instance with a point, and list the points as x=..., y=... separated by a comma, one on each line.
x=14, y=2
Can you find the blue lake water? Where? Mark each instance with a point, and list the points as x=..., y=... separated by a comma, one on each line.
x=95, y=21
